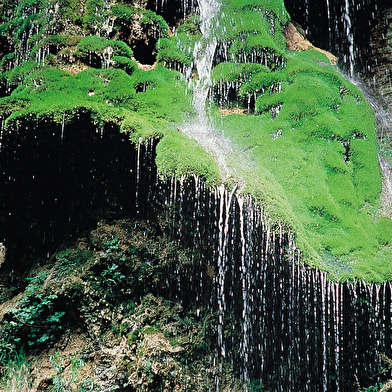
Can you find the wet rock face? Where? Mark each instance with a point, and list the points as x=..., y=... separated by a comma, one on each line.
x=340, y=27
x=295, y=40
x=381, y=54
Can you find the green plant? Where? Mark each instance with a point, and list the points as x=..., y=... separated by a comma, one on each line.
x=69, y=260
x=256, y=386
x=102, y=48
x=373, y=388
x=112, y=276
x=36, y=320
x=88, y=385
x=15, y=374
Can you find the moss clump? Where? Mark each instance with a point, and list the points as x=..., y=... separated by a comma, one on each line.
x=178, y=155
x=125, y=16
x=172, y=56
x=253, y=30
x=103, y=50
x=315, y=135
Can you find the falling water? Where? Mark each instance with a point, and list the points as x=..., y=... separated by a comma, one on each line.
x=278, y=321
x=343, y=27
x=350, y=38
x=200, y=128
x=329, y=22
x=204, y=52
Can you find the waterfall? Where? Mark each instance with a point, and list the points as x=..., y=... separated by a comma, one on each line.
x=204, y=52
x=200, y=128
x=278, y=322
x=343, y=27
x=350, y=38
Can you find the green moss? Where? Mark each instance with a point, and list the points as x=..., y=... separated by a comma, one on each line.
x=315, y=137
x=177, y=154
x=125, y=15
x=61, y=40
x=236, y=72
x=92, y=8
x=190, y=26
x=104, y=49
x=275, y=8
x=384, y=228
x=16, y=76
x=139, y=127
x=173, y=53
x=124, y=63
x=253, y=26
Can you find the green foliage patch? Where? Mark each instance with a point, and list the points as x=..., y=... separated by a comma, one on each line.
x=315, y=134
x=33, y=321
x=104, y=49
x=15, y=374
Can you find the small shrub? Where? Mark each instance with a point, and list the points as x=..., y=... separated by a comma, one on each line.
x=36, y=319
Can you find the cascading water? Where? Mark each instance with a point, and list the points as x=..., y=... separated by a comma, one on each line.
x=278, y=323
x=350, y=38
x=200, y=128
x=204, y=53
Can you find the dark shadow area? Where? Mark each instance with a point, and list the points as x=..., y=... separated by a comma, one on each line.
x=173, y=11
x=56, y=183
x=144, y=51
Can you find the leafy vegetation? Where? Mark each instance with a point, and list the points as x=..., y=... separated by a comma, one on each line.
x=305, y=150
x=32, y=321
x=73, y=380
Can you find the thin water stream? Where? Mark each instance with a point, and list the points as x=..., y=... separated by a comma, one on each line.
x=279, y=323
x=201, y=128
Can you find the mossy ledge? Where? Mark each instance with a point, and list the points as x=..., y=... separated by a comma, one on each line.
x=308, y=134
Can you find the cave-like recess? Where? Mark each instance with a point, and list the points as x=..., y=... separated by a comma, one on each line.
x=59, y=180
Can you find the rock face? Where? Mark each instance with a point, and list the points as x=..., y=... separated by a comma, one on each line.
x=381, y=45
x=340, y=26
x=295, y=40
x=3, y=252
